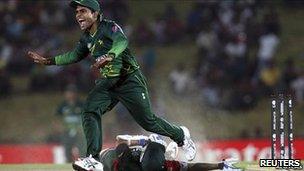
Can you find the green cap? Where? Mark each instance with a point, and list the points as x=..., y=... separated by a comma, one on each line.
x=92, y=4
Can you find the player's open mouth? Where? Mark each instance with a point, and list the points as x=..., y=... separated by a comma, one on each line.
x=81, y=21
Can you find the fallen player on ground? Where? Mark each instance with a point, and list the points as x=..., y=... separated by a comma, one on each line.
x=142, y=153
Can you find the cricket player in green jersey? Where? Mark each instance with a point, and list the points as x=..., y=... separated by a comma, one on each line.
x=121, y=80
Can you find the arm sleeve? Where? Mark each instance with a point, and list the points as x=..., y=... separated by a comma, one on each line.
x=80, y=52
x=120, y=41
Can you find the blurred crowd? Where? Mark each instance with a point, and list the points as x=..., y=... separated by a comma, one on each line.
x=236, y=62
x=236, y=45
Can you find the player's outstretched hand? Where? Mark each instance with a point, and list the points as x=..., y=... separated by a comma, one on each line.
x=102, y=61
x=38, y=58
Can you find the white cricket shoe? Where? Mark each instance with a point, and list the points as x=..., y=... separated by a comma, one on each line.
x=229, y=164
x=87, y=164
x=189, y=146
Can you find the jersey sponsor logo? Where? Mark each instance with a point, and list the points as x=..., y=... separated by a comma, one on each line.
x=100, y=42
x=116, y=28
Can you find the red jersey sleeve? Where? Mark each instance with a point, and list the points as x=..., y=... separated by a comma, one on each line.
x=172, y=165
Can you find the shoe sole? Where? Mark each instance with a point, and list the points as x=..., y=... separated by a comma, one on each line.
x=78, y=168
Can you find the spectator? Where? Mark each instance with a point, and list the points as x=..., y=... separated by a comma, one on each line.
x=6, y=51
x=158, y=28
x=269, y=77
x=298, y=86
x=271, y=23
x=211, y=96
x=206, y=39
x=267, y=47
x=149, y=58
x=179, y=79
x=289, y=74
x=39, y=79
x=237, y=47
x=116, y=10
x=144, y=35
x=5, y=83
x=269, y=40
x=236, y=51
x=70, y=111
x=194, y=18
x=174, y=28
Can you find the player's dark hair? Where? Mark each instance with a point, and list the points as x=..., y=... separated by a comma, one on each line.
x=126, y=161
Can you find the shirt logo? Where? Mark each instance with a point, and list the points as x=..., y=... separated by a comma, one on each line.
x=100, y=42
x=116, y=28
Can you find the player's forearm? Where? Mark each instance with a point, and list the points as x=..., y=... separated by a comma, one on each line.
x=119, y=45
x=135, y=140
x=141, y=142
x=68, y=58
x=204, y=166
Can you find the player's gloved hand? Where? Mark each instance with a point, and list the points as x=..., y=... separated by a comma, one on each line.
x=102, y=61
x=141, y=139
x=124, y=138
x=39, y=59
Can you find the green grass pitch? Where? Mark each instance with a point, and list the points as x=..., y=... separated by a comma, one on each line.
x=36, y=167
x=246, y=166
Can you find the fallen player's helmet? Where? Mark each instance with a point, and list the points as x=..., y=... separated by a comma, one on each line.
x=126, y=161
x=92, y=4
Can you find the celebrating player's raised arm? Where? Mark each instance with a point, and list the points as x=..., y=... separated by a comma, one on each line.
x=80, y=52
x=39, y=59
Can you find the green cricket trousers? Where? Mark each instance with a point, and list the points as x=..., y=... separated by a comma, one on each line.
x=131, y=91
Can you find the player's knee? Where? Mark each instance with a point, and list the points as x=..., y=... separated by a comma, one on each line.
x=90, y=116
x=89, y=110
x=150, y=126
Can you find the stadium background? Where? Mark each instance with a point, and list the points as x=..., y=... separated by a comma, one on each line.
x=211, y=65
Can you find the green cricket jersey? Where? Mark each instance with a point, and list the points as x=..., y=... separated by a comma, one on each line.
x=108, y=39
x=71, y=114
